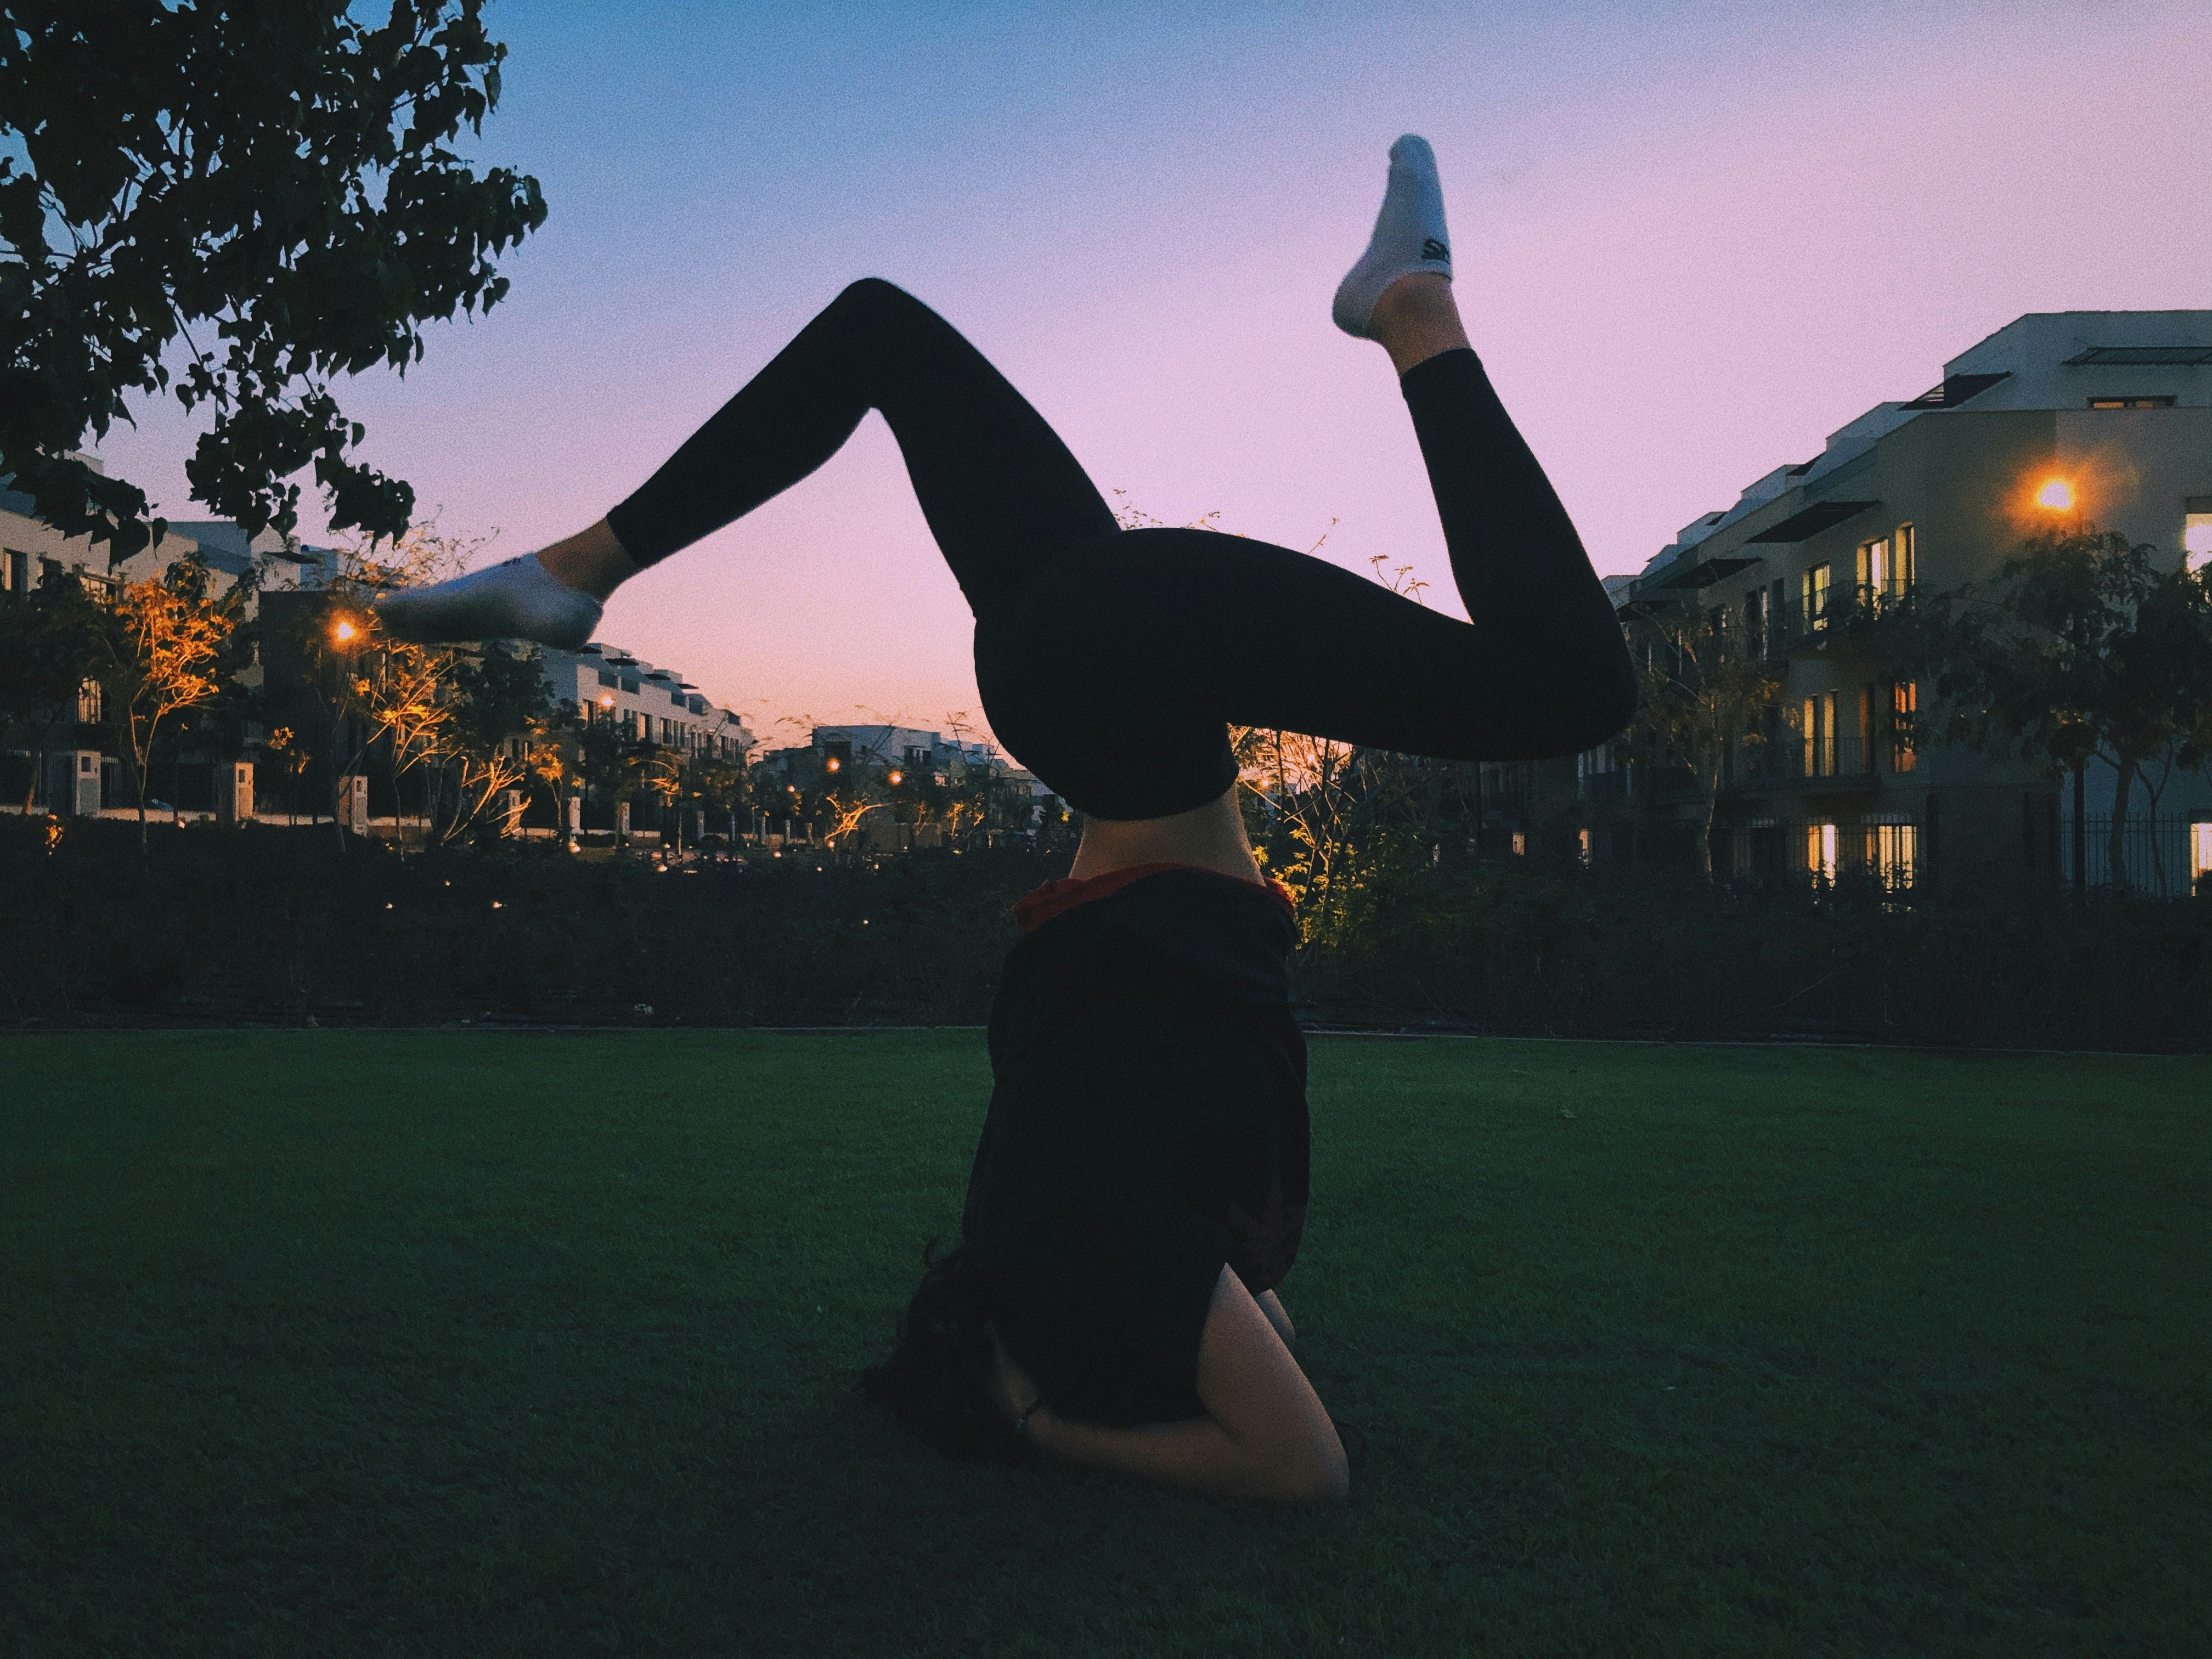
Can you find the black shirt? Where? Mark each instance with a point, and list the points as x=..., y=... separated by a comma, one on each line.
x=1147, y=1123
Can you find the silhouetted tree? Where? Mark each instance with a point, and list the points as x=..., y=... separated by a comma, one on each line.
x=2080, y=650
x=259, y=193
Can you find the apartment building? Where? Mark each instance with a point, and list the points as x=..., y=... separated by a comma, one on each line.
x=2096, y=418
x=75, y=768
x=904, y=757
x=646, y=704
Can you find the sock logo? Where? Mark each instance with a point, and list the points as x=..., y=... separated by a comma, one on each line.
x=1432, y=249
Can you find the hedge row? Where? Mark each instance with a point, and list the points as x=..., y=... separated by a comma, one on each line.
x=281, y=926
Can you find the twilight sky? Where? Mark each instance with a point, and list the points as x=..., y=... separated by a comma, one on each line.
x=1690, y=240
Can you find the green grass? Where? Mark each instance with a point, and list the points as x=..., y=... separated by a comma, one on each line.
x=333, y=1343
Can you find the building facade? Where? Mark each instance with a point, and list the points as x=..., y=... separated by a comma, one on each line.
x=646, y=704
x=2098, y=420
x=75, y=767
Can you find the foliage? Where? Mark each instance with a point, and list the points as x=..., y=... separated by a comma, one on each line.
x=50, y=646
x=163, y=655
x=223, y=926
x=493, y=695
x=2080, y=650
x=1702, y=694
x=269, y=185
x=554, y=760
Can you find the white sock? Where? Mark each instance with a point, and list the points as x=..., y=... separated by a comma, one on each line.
x=520, y=599
x=1409, y=235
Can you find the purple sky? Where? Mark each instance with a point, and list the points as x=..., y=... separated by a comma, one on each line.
x=1691, y=240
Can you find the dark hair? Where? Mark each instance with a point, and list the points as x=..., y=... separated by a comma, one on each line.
x=937, y=1379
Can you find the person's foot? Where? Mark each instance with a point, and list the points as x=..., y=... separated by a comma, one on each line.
x=1409, y=236
x=520, y=599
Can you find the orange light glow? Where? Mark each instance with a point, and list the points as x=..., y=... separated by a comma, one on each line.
x=897, y=778
x=607, y=700
x=344, y=630
x=2057, y=496
x=833, y=763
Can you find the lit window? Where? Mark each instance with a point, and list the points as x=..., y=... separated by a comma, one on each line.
x=1821, y=850
x=1874, y=570
x=2196, y=531
x=1813, y=591
x=1893, y=849
x=1520, y=844
x=1905, y=556
x=1816, y=724
x=1904, y=717
x=2130, y=403
x=2200, y=851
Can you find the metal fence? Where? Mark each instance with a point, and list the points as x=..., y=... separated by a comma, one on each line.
x=2163, y=858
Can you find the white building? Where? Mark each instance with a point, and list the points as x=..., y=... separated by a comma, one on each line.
x=2061, y=419
x=646, y=704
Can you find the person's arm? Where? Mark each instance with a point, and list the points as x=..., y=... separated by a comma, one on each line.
x=1265, y=1433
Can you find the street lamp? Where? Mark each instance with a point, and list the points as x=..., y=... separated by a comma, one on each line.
x=345, y=630
x=2057, y=495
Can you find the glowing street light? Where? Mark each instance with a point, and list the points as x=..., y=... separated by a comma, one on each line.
x=344, y=631
x=897, y=778
x=2057, y=496
x=831, y=764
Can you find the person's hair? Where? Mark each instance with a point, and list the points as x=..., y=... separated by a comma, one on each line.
x=937, y=1379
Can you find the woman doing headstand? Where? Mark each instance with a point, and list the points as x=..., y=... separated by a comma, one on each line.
x=1140, y=1184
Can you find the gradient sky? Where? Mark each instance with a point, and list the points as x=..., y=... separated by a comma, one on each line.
x=1689, y=239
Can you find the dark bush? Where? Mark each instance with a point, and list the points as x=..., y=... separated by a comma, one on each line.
x=221, y=927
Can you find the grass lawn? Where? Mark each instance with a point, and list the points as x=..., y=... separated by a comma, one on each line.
x=335, y=1343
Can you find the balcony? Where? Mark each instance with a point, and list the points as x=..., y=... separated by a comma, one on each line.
x=1780, y=768
x=1837, y=617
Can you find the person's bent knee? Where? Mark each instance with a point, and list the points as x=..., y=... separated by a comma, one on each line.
x=876, y=292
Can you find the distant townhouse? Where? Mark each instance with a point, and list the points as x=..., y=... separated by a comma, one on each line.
x=897, y=758
x=646, y=704
x=2059, y=418
x=77, y=768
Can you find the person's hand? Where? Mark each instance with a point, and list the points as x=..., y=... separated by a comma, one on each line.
x=1012, y=1390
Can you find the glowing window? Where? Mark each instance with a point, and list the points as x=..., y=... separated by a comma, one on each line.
x=1813, y=590
x=2130, y=403
x=1874, y=566
x=1816, y=732
x=2200, y=851
x=2196, y=531
x=1821, y=850
x=1894, y=850
x=1904, y=720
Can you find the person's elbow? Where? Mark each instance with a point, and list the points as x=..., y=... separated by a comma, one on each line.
x=1310, y=1472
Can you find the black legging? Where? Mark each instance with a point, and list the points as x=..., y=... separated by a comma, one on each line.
x=1112, y=662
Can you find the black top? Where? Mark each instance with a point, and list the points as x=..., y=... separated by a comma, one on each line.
x=1147, y=1124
